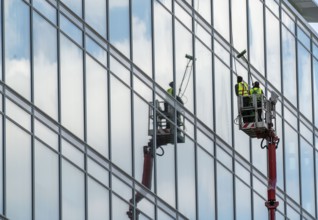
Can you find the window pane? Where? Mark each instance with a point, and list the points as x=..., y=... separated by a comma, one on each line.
x=121, y=125
x=315, y=75
x=98, y=201
x=223, y=102
x=304, y=82
x=256, y=35
x=184, y=44
x=291, y=163
x=239, y=24
x=73, y=198
x=289, y=67
x=204, y=89
x=163, y=46
x=45, y=66
x=95, y=15
x=46, y=9
x=119, y=25
x=273, y=50
x=243, y=209
x=71, y=30
x=307, y=177
x=74, y=5
x=224, y=193
x=46, y=183
x=221, y=17
x=72, y=87
x=17, y=47
x=206, y=191
x=186, y=179
x=18, y=171
x=97, y=106
x=141, y=26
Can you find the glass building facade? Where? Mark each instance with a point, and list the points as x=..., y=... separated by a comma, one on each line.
x=79, y=78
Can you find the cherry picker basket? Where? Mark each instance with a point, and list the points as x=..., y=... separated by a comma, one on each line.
x=165, y=117
x=255, y=114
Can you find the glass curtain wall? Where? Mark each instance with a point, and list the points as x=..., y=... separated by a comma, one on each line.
x=78, y=86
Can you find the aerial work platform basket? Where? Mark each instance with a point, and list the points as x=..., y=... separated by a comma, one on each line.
x=256, y=114
x=164, y=122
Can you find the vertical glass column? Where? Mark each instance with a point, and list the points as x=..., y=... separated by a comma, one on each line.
x=45, y=66
x=17, y=47
x=72, y=107
x=141, y=35
x=97, y=106
x=256, y=34
x=18, y=173
x=163, y=45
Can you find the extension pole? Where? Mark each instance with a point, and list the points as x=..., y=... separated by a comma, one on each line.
x=271, y=203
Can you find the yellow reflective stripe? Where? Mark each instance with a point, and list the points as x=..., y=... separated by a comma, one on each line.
x=242, y=89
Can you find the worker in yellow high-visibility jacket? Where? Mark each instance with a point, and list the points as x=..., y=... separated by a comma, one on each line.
x=259, y=92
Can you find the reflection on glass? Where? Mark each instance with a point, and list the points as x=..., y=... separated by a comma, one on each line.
x=292, y=214
x=95, y=15
x=119, y=208
x=73, y=197
x=96, y=50
x=289, y=66
x=204, y=82
x=98, y=201
x=303, y=38
x=288, y=22
x=291, y=163
x=259, y=156
x=223, y=102
x=1, y=160
x=315, y=83
x=97, y=106
x=17, y=47
x=72, y=153
x=315, y=50
x=243, y=209
x=186, y=179
x=203, y=7
x=307, y=177
x=120, y=125
x=141, y=27
x=273, y=50
x=18, y=114
x=163, y=46
x=184, y=44
x=221, y=17
x=224, y=193
x=18, y=173
x=46, y=183
x=72, y=87
x=206, y=192
x=74, y=5
x=45, y=66
x=256, y=35
x=46, y=9
x=260, y=211
x=239, y=28
x=119, y=25
x=304, y=82
x=141, y=137
x=71, y=29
